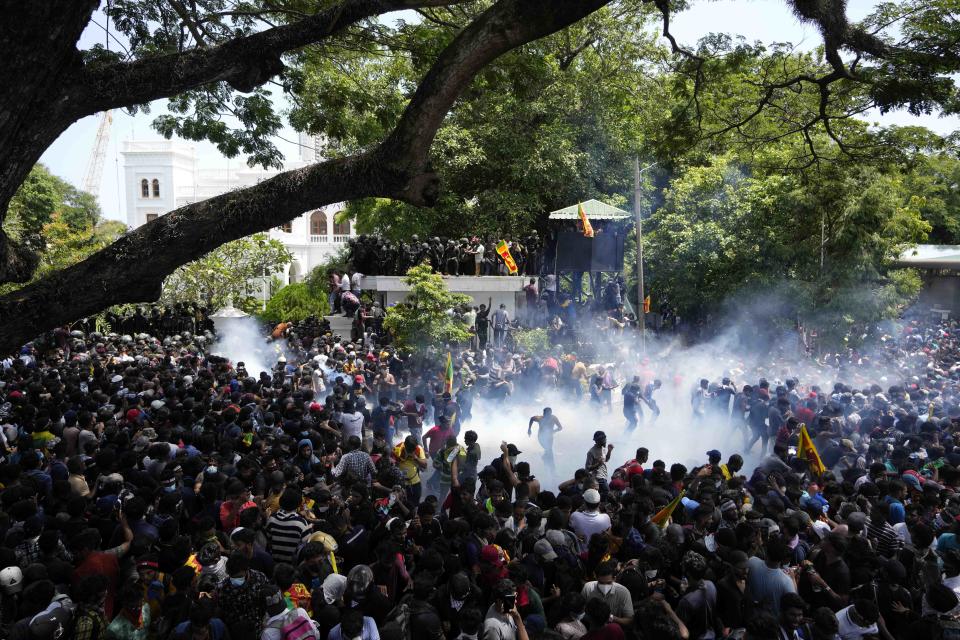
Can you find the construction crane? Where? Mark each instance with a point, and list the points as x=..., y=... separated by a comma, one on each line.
x=94, y=174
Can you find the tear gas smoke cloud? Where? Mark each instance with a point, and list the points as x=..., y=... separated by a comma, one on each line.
x=739, y=352
x=242, y=340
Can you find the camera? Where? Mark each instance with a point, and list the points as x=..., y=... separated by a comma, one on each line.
x=508, y=601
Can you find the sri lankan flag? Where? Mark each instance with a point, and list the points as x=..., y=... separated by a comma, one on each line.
x=585, y=221
x=662, y=517
x=508, y=260
x=448, y=375
x=807, y=451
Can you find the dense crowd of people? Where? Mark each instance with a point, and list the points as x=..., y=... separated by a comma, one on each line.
x=152, y=490
x=473, y=256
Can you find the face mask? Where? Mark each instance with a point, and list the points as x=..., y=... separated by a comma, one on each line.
x=579, y=616
x=605, y=588
x=651, y=573
x=238, y=582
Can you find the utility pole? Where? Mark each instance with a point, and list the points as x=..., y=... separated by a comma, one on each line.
x=641, y=315
x=639, y=222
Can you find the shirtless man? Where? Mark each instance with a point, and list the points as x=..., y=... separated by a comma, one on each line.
x=548, y=425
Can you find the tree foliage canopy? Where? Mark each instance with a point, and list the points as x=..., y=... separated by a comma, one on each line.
x=293, y=303
x=424, y=318
x=491, y=111
x=231, y=274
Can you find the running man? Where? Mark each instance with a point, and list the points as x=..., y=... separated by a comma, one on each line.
x=632, y=410
x=548, y=425
x=647, y=398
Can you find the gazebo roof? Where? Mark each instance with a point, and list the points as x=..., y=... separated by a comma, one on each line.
x=594, y=209
x=931, y=256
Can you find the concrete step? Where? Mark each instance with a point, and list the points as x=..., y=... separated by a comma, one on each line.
x=339, y=325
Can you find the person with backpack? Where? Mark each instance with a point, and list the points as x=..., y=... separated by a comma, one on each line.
x=281, y=623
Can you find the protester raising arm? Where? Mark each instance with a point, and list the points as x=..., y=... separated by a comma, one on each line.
x=507, y=467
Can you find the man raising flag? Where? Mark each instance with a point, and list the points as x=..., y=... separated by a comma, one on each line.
x=448, y=375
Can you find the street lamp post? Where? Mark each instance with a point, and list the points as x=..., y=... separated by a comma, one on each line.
x=642, y=316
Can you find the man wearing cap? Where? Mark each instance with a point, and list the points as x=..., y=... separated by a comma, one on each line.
x=597, y=458
x=589, y=521
x=453, y=598
x=539, y=562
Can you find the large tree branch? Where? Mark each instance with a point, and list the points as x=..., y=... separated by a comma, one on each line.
x=132, y=269
x=245, y=62
x=503, y=27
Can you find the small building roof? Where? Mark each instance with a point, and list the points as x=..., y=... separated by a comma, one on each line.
x=931, y=256
x=594, y=209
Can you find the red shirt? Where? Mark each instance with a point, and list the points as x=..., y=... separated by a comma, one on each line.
x=230, y=518
x=106, y=565
x=609, y=631
x=633, y=468
x=437, y=437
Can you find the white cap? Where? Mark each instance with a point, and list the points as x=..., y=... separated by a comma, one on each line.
x=591, y=496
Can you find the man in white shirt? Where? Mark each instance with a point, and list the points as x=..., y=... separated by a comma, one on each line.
x=477, y=252
x=503, y=621
x=616, y=595
x=356, y=281
x=858, y=620
x=589, y=521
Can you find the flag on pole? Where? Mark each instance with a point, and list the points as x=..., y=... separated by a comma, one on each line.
x=807, y=451
x=504, y=252
x=585, y=221
x=646, y=304
x=448, y=375
x=662, y=517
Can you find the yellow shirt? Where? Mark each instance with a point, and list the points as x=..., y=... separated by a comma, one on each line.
x=407, y=462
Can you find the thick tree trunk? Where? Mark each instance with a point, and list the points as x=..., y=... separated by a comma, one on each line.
x=133, y=268
x=38, y=47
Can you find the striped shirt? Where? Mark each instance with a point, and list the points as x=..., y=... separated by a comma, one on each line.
x=285, y=531
x=884, y=537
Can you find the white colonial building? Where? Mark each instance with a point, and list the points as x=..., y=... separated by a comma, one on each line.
x=162, y=175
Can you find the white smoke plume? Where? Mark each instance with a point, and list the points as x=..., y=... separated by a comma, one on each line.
x=243, y=340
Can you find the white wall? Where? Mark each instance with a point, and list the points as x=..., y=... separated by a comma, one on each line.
x=507, y=290
x=183, y=182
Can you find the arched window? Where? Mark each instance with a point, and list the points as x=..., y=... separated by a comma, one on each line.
x=341, y=228
x=318, y=223
x=156, y=188
x=144, y=188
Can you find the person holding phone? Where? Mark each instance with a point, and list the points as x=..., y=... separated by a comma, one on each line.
x=503, y=621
